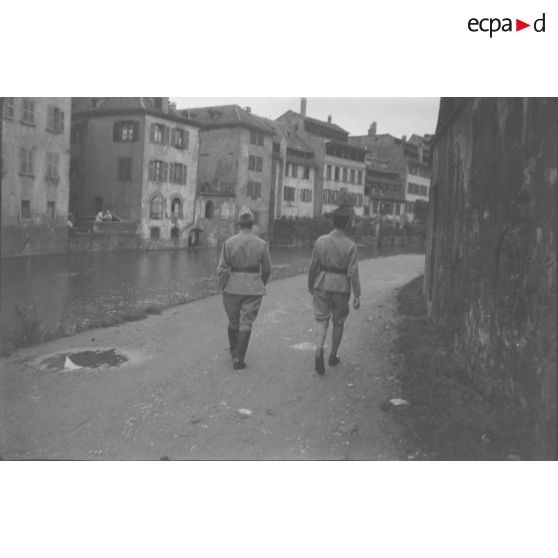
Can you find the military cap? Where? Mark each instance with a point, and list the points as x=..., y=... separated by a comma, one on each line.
x=245, y=216
x=346, y=205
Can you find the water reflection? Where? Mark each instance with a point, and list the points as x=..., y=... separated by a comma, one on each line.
x=82, y=286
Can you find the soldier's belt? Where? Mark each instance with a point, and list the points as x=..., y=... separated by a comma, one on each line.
x=253, y=269
x=340, y=271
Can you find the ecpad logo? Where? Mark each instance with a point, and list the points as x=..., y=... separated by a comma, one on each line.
x=492, y=25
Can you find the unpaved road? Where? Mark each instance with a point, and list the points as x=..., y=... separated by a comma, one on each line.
x=178, y=398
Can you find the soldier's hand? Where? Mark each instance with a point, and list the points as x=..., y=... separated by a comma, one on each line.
x=356, y=302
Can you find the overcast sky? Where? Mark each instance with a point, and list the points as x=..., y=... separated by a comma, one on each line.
x=394, y=115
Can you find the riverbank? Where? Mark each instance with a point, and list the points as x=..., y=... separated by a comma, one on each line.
x=52, y=297
x=446, y=419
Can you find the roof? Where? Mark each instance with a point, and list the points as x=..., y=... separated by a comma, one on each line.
x=294, y=141
x=228, y=116
x=329, y=125
x=380, y=166
x=83, y=106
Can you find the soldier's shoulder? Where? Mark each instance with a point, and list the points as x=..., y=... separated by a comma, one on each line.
x=323, y=238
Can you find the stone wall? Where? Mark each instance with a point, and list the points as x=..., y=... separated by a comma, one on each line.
x=491, y=254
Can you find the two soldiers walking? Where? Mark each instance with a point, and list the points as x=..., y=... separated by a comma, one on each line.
x=244, y=269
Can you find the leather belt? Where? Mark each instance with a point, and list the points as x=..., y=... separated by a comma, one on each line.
x=344, y=271
x=253, y=269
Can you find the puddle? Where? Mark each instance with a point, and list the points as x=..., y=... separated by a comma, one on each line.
x=108, y=358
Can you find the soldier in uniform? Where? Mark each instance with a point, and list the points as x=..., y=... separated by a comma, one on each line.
x=243, y=271
x=333, y=273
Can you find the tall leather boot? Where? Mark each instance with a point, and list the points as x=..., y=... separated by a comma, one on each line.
x=233, y=336
x=240, y=350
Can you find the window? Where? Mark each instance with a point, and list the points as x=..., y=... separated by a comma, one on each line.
x=51, y=210
x=124, y=168
x=256, y=215
x=409, y=207
x=75, y=133
x=337, y=173
x=8, y=108
x=256, y=138
x=125, y=131
x=344, y=175
x=294, y=170
x=254, y=189
x=55, y=120
x=28, y=116
x=255, y=163
x=306, y=195
x=209, y=210
x=398, y=209
x=375, y=207
x=180, y=138
x=289, y=194
x=176, y=208
x=326, y=195
x=26, y=161
x=352, y=176
x=156, y=207
x=25, y=209
x=158, y=171
x=160, y=134
x=155, y=233
x=52, y=166
x=178, y=173
x=328, y=172
x=359, y=177
x=306, y=172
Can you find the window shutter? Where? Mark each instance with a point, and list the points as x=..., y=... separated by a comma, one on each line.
x=167, y=135
x=61, y=121
x=136, y=131
x=150, y=170
x=186, y=138
x=173, y=136
x=184, y=173
x=165, y=172
x=116, y=131
x=152, y=133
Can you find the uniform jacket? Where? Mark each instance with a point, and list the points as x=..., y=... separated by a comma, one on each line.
x=334, y=250
x=243, y=250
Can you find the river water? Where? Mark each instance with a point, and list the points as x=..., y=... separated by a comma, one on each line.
x=78, y=288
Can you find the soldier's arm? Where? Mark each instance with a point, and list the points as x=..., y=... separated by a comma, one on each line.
x=223, y=269
x=353, y=271
x=314, y=269
x=266, y=264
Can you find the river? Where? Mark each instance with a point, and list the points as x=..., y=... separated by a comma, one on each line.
x=80, y=288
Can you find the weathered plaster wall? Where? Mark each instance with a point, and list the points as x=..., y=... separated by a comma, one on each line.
x=491, y=255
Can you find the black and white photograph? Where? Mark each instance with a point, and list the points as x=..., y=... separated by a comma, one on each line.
x=305, y=304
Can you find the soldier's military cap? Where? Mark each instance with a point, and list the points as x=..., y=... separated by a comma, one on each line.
x=346, y=205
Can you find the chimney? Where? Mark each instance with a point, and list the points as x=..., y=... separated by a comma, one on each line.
x=303, y=106
x=329, y=118
x=247, y=109
x=372, y=129
x=404, y=139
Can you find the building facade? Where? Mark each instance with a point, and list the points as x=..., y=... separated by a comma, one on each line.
x=385, y=190
x=234, y=169
x=490, y=276
x=410, y=159
x=136, y=157
x=339, y=165
x=35, y=174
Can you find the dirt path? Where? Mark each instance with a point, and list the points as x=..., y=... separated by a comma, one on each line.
x=178, y=398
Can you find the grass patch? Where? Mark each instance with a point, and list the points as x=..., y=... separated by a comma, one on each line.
x=448, y=419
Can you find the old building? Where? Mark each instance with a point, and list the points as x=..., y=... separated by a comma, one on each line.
x=385, y=190
x=340, y=165
x=35, y=174
x=409, y=158
x=298, y=183
x=136, y=157
x=490, y=275
x=234, y=169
